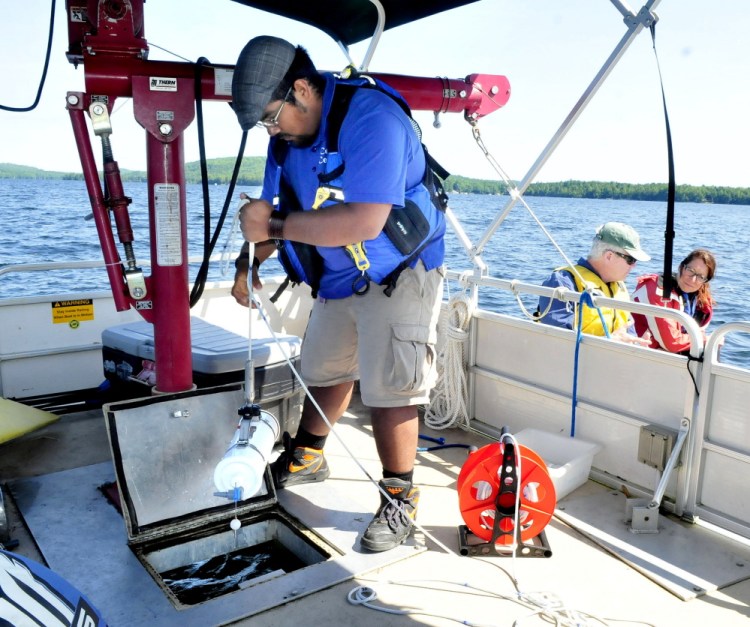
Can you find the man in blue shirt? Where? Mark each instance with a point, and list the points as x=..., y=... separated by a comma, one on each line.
x=375, y=227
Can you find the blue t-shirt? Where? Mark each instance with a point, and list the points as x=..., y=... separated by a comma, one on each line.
x=383, y=158
x=560, y=313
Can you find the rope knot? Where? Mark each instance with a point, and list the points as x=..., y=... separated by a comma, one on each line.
x=587, y=299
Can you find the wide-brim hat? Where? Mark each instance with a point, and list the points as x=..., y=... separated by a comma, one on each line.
x=623, y=237
x=261, y=66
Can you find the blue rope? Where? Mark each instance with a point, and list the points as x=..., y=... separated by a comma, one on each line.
x=588, y=302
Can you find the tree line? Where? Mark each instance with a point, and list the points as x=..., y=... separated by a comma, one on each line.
x=219, y=171
x=611, y=190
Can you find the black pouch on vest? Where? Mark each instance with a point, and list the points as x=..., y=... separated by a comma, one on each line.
x=302, y=263
x=407, y=228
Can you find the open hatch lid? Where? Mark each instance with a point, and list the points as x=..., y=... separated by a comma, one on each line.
x=165, y=449
x=352, y=21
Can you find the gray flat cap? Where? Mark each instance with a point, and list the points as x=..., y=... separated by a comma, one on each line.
x=260, y=68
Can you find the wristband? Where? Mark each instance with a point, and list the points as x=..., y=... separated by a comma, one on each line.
x=276, y=225
x=241, y=259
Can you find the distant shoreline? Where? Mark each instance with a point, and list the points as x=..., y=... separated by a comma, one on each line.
x=251, y=173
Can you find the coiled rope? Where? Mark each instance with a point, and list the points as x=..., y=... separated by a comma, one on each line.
x=448, y=405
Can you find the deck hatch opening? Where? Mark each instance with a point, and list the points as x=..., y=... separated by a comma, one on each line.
x=193, y=570
x=165, y=450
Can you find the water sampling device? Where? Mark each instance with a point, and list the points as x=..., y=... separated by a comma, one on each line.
x=239, y=473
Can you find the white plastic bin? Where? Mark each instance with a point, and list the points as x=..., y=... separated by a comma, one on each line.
x=568, y=459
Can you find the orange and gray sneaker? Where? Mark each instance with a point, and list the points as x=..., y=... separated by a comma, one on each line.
x=393, y=522
x=298, y=464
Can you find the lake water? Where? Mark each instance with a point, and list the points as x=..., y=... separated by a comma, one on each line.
x=46, y=221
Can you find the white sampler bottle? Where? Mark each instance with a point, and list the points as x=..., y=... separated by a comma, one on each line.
x=244, y=463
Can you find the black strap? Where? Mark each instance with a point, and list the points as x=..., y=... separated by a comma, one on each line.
x=342, y=98
x=434, y=176
x=391, y=278
x=690, y=358
x=435, y=173
x=280, y=289
x=669, y=229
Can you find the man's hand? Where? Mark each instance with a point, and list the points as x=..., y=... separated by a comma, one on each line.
x=622, y=335
x=254, y=218
x=239, y=289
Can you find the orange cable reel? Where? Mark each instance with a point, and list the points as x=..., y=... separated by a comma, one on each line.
x=481, y=497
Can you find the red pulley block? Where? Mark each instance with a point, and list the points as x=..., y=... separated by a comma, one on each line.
x=479, y=484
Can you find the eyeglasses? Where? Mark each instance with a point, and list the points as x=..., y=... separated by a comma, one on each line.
x=274, y=121
x=629, y=259
x=701, y=277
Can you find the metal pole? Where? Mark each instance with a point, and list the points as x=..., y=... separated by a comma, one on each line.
x=635, y=23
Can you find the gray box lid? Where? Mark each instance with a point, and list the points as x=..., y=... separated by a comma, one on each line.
x=215, y=350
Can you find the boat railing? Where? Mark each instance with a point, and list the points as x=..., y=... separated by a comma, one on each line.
x=570, y=296
x=36, y=341
x=722, y=455
x=84, y=264
x=50, y=265
x=521, y=374
x=524, y=374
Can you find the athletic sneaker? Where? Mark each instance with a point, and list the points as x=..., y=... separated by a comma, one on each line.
x=298, y=464
x=392, y=522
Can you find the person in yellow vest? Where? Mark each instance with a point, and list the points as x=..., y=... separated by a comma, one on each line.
x=615, y=250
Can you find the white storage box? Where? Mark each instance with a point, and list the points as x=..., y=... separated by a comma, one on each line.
x=568, y=459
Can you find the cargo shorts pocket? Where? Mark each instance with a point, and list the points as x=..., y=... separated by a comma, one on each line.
x=413, y=368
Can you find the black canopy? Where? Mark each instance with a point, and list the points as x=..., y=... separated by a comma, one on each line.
x=351, y=21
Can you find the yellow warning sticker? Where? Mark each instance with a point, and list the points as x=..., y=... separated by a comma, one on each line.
x=72, y=312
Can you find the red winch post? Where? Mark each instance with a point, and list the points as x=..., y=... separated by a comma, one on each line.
x=107, y=38
x=165, y=108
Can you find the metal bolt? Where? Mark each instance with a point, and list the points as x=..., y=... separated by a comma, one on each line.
x=72, y=100
x=97, y=109
x=165, y=129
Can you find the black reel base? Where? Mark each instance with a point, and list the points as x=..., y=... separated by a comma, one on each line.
x=470, y=544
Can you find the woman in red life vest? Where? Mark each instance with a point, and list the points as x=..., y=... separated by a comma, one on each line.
x=691, y=293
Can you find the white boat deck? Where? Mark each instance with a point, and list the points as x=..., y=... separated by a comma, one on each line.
x=439, y=588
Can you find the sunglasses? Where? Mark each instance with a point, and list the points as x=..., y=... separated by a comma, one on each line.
x=273, y=121
x=629, y=259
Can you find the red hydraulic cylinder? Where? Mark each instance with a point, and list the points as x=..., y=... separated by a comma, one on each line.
x=76, y=103
x=476, y=96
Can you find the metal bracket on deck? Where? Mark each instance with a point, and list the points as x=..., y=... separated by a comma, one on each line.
x=469, y=544
x=643, y=514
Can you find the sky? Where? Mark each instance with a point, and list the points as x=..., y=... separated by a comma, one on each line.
x=549, y=50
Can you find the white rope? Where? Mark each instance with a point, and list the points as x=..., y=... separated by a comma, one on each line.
x=396, y=503
x=515, y=193
x=365, y=596
x=229, y=245
x=544, y=606
x=448, y=407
